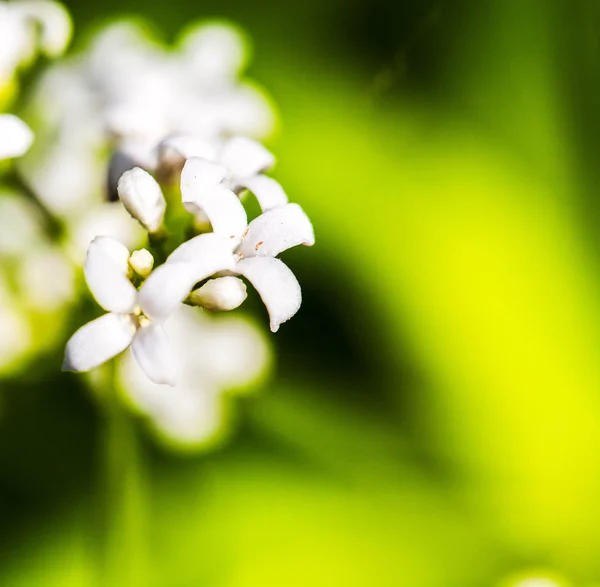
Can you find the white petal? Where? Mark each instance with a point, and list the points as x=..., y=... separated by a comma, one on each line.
x=55, y=24
x=209, y=253
x=175, y=150
x=142, y=197
x=221, y=205
x=276, y=285
x=15, y=136
x=154, y=354
x=277, y=230
x=220, y=295
x=167, y=286
x=202, y=174
x=245, y=157
x=105, y=270
x=98, y=341
x=268, y=192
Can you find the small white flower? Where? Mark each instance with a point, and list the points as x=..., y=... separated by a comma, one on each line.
x=216, y=355
x=15, y=137
x=142, y=197
x=256, y=244
x=135, y=317
x=238, y=165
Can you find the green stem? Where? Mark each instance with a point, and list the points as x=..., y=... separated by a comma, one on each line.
x=123, y=553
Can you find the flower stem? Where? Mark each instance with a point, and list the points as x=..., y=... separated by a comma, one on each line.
x=123, y=545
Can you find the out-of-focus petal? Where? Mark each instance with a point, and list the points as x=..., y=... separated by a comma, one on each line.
x=175, y=150
x=277, y=230
x=15, y=136
x=105, y=271
x=216, y=53
x=56, y=25
x=276, y=285
x=222, y=207
x=142, y=197
x=167, y=286
x=268, y=192
x=154, y=354
x=245, y=157
x=98, y=341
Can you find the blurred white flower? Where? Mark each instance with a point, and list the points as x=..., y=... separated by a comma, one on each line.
x=105, y=219
x=46, y=279
x=136, y=317
x=15, y=136
x=36, y=283
x=20, y=225
x=142, y=197
x=216, y=355
x=257, y=244
x=128, y=93
x=27, y=26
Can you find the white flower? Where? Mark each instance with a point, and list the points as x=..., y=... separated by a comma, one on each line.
x=135, y=317
x=15, y=137
x=142, y=197
x=216, y=355
x=256, y=244
x=238, y=165
x=27, y=25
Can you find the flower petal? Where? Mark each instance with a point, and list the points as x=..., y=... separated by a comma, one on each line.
x=245, y=157
x=167, y=286
x=56, y=26
x=200, y=190
x=105, y=270
x=268, y=192
x=209, y=253
x=142, y=197
x=153, y=352
x=15, y=136
x=98, y=341
x=276, y=285
x=277, y=230
x=175, y=150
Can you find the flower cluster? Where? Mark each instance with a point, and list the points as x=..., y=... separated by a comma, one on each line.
x=143, y=159
x=136, y=316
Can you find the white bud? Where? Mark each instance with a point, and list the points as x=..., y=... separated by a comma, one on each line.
x=142, y=262
x=15, y=136
x=142, y=197
x=220, y=295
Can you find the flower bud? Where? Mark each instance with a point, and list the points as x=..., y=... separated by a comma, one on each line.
x=142, y=197
x=220, y=295
x=142, y=262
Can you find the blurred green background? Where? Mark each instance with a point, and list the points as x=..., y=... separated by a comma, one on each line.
x=434, y=417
